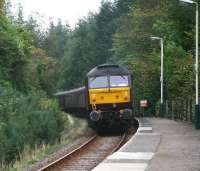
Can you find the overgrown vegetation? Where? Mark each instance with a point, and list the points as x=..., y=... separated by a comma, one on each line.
x=30, y=156
x=34, y=64
x=30, y=119
x=28, y=114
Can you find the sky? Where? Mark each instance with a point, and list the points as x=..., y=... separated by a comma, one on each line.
x=68, y=10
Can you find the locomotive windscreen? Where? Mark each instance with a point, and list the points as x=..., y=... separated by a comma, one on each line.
x=98, y=82
x=118, y=81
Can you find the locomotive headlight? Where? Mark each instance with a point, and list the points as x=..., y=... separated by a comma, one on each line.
x=94, y=98
x=125, y=95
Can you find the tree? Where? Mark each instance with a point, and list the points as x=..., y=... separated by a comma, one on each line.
x=20, y=15
x=14, y=53
x=122, y=7
x=33, y=26
x=56, y=39
x=2, y=3
x=42, y=72
x=80, y=52
x=105, y=28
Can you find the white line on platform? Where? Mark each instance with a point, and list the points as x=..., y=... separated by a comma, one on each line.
x=133, y=156
x=145, y=129
x=148, y=134
x=121, y=167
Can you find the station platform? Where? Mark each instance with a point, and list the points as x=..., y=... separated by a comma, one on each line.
x=159, y=145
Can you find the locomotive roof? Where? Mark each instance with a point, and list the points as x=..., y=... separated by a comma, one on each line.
x=70, y=91
x=105, y=69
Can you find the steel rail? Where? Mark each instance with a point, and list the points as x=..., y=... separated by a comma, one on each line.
x=69, y=154
x=83, y=146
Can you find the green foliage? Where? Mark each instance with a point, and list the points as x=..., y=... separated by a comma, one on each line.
x=105, y=28
x=80, y=54
x=33, y=62
x=122, y=7
x=33, y=27
x=132, y=37
x=28, y=117
x=170, y=20
x=26, y=120
x=89, y=45
x=14, y=53
x=55, y=40
x=42, y=72
x=2, y=3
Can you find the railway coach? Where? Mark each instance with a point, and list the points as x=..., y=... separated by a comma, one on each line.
x=105, y=100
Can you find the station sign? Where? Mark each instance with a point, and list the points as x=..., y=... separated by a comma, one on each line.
x=143, y=103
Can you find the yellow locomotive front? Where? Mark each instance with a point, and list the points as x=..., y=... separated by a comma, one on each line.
x=110, y=94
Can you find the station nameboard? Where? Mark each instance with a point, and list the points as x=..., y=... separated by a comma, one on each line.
x=143, y=103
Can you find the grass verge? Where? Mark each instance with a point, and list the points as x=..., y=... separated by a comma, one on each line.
x=75, y=128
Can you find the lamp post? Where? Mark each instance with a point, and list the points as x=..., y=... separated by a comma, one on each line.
x=197, y=114
x=161, y=73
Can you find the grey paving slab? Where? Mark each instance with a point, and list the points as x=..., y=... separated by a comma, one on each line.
x=121, y=167
x=159, y=145
x=144, y=122
x=142, y=143
x=135, y=154
x=179, y=149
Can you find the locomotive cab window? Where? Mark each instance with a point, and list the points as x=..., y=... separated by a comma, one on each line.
x=98, y=82
x=119, y=81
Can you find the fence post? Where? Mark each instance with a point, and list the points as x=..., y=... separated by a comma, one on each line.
x=172, y=111
x=186, y=111
x=191, y=113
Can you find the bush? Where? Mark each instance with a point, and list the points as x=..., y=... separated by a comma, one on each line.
x=26, y=120
x=15, y=50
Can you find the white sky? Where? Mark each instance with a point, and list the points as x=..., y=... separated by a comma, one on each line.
x=68, y=10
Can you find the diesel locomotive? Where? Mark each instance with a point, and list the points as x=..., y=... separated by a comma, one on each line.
x=105, y=100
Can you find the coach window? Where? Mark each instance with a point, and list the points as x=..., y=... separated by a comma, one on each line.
x=119, y=81
x=98, y=82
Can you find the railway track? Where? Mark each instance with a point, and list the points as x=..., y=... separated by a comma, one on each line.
x=87, y=156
